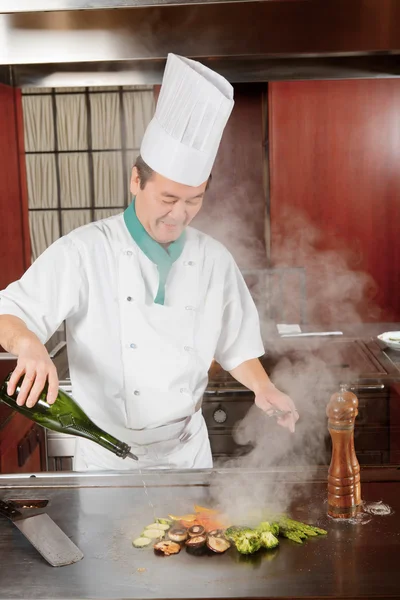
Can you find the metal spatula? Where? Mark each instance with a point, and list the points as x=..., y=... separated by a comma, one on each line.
x=48, y=539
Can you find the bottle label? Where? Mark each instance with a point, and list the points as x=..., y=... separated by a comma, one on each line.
x=66, y=420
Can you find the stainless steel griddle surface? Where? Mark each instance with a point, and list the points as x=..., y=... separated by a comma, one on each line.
x=102, y=514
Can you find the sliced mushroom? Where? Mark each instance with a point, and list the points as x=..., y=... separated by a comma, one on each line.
x=197, y=541
x=216, y=533
x=217, y=544
x=167, y=548
x=196, y=530
x=178, y=534
x=196, y=545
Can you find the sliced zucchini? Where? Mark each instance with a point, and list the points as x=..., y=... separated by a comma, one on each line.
x=154, y=534
x=164, y=522
x=141, y=542
x=162, y=526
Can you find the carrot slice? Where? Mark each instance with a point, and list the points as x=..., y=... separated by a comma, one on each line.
x=188, y=518
x=204, y=510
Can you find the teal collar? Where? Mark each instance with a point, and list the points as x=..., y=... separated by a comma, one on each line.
x=163, y=258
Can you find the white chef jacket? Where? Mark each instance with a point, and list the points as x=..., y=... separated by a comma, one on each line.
x=98, y=280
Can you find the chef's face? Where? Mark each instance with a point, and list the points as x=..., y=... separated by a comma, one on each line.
x=165, y=207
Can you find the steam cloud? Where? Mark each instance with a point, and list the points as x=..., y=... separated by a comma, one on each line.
x=309, y=370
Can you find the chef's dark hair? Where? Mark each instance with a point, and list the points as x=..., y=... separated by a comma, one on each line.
x=145, y=172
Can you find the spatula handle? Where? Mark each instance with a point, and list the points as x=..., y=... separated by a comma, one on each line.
x=8, y=511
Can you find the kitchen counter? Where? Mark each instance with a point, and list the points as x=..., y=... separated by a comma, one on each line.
x=103, y=513
x=356, y=358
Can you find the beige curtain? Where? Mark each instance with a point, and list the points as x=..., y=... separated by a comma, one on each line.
x=74, y=180
x=130, y=160
x=72, y=122
x=106, y=123
x=42, y=180
x=71, y=219
x=38, y=123
x=139, y=109
x=44, y=230
x=108, y=179
x=92, y=179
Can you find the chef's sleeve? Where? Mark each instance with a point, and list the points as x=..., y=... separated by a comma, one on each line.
x=240, y=338
x=49, y=292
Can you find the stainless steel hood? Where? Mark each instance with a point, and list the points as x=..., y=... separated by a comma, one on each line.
x=104, y=42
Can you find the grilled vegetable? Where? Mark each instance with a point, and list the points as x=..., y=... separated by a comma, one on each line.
x=297, y=531
x=141, y=542
x=164, y=522
x=247, y=541
x=162, y=526
x=218, y=544
x=268, y=540
x=267, y=526
x=217, y=533
x=189, y=518
x=196, y=542
x=268, y=534
x=167, y=548
x=196, y=530
x=233, y=532
x=154, y=534
x=204, y=510
x=196, y=545
x=178, y=534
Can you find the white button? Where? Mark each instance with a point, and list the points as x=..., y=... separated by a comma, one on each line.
x=184, y=391
x=188, y=348
x=136, y=393
x=132, y=346
x=129, y=298
x=129, y=253
x=189, y=308
x=189, y=263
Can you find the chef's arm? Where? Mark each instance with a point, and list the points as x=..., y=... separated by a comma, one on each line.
x=34, y=362
x=252, y=375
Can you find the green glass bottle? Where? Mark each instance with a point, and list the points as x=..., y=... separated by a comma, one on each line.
x=65, y=416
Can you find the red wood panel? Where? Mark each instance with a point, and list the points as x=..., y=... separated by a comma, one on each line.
x=11, y=435
x=394, y=408
x=335, y=193
x=235, y=205
x=14, y=228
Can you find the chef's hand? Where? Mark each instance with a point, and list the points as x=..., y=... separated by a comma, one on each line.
x=37, y=367
x=269, y=398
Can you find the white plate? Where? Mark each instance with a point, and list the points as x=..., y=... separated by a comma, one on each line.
x=389, y=338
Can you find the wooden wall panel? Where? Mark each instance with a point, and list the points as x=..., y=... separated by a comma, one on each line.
x=335, y=193
x=14, y=226
x=234, y=208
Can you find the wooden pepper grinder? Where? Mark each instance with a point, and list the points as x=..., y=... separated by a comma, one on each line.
x=344, y=488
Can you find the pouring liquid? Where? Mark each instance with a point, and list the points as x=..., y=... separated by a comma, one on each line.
x=146, y=491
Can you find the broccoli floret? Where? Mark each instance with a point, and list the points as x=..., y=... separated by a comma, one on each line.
x=232, y=532
x=268, y=540
x=267, y=526
x=247, y=541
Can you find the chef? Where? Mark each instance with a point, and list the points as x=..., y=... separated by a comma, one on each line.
x=148, y=301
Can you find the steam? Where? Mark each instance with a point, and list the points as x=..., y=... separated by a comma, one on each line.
x=309, y=370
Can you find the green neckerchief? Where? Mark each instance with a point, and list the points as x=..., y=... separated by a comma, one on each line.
x=163, y=258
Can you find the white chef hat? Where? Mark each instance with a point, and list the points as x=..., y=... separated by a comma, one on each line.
x=182, y=140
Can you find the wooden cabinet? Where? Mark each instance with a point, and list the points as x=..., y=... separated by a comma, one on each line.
x=22, y=444
x=394, y=409
x=22, y=447
x=15, y=251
